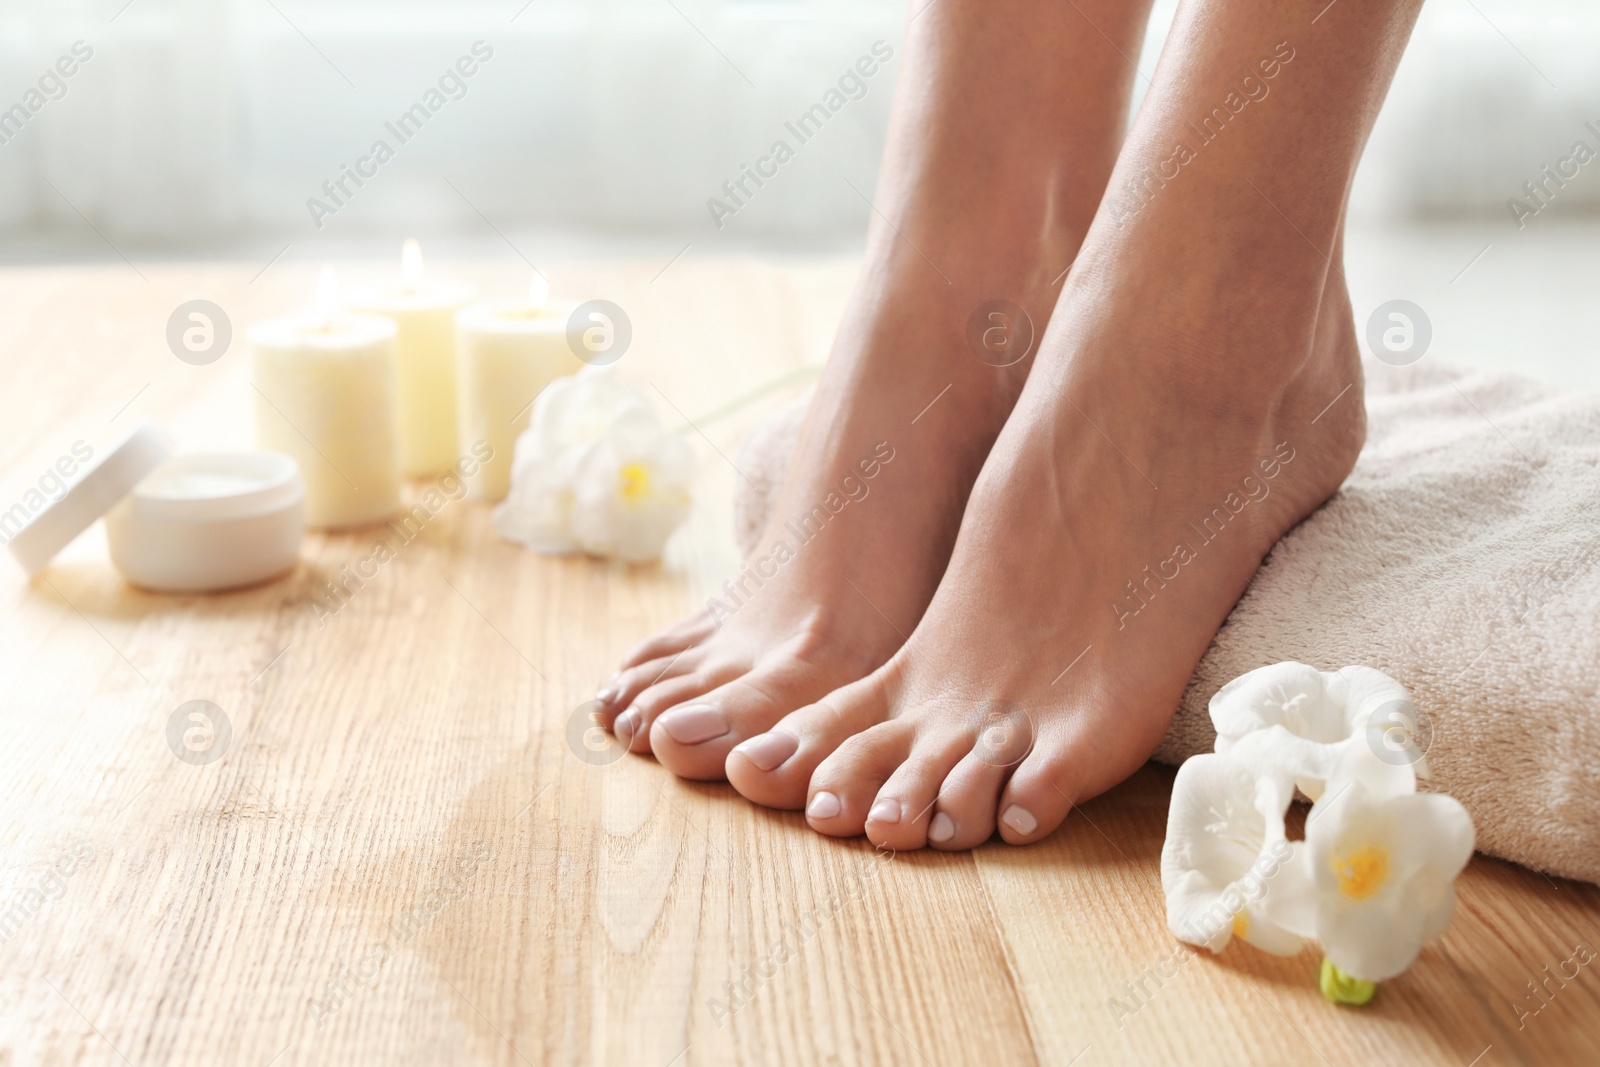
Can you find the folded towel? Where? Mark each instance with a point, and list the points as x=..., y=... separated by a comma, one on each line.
x=1460, y=557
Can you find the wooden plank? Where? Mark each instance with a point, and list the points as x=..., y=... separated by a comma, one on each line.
x=401, y=859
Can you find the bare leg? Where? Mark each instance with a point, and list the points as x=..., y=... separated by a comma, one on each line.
x=1197, y=394
x=1006, y=125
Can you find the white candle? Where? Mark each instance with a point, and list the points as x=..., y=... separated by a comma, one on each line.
x=324, y=387
x=424, y=317
x=509, y=350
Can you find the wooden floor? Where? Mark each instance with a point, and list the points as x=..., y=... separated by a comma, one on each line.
x=400, y=856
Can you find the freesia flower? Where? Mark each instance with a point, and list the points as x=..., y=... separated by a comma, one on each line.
x=1300, y=720
x=596, y=472
x=1375, y=877
x=578, y=410
x=631, y=489
x=1224, y=849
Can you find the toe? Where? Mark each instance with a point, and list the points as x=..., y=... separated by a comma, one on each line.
x=633, y=726
x=625, y=688
x=1040, y=794
x=964, y=816
x=847, y=782
x=775, y=768
x=693, y=740
x=671, y=641
x=903, y=810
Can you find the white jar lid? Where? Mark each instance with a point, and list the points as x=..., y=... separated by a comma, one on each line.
x=101, y=484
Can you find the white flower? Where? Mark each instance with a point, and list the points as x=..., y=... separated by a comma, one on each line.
x=1299, y=720
x=538, y=510
x=1374, y=879
x=631, y=489
x=596, y=472
x=1225, y=845
x=578, y=410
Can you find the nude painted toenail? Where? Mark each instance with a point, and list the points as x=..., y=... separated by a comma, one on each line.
x=694, y=724
x=606, y=695
x=942, y=829
x=768, y=750
x=885, y=811
x=626, y=723
x=823, y=806
x=1020, y=819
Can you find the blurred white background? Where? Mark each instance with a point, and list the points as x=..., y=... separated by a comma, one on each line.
x=200, y=128
x=201, y=122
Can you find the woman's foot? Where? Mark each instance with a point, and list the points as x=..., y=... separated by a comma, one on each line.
x=855, y=544
x=1163, y=446
x=969, y=211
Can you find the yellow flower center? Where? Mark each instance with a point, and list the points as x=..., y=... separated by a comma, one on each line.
x=1362, y=872
x=635, y=479
x=1241, y=925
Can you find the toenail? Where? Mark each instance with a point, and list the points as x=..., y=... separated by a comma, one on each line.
x=1020, y=819
x=942, y=829
x=626, y=723
x=823, y=806
x=606, y=695
x=768, y=750
x=694, y=724
x=885, y=811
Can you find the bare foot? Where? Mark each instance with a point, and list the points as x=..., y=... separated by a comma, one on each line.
x=969, y=210
x=1124, y=509
x=856, y=543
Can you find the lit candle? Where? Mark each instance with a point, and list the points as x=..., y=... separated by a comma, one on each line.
x=424, y=317
x=509, y=350
x=324, y=388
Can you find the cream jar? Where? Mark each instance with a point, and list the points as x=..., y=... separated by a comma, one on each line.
x=189, y=523
x=210, y=521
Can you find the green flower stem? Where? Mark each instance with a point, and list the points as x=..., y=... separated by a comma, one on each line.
x=1343, y=988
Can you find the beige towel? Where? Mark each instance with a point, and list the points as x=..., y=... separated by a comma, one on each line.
x=1462, y=557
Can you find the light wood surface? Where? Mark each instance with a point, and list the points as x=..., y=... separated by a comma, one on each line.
x=400, y=813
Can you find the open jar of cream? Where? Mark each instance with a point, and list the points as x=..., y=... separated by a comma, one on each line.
x=190, y=523
x=207, y=521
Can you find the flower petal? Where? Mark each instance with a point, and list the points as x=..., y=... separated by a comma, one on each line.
x=1259, y=930
x=1286, y=757
x=1213, y=825
x=1383, y=864
x=1368, y=944
x=1291, y=899
x=1225, y=845
x=631, y=489
x=1195, y=913
x=1436, y=831
x=1290, y=694
x=1369, y=689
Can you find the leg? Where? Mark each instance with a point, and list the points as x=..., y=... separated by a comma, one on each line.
x=1197, y=394
x=973, y=209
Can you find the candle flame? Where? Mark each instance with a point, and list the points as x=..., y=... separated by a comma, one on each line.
x=327, y=293
x=538, y=290
x=411, y=263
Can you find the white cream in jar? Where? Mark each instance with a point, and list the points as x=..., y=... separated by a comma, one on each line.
x=210, y=521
